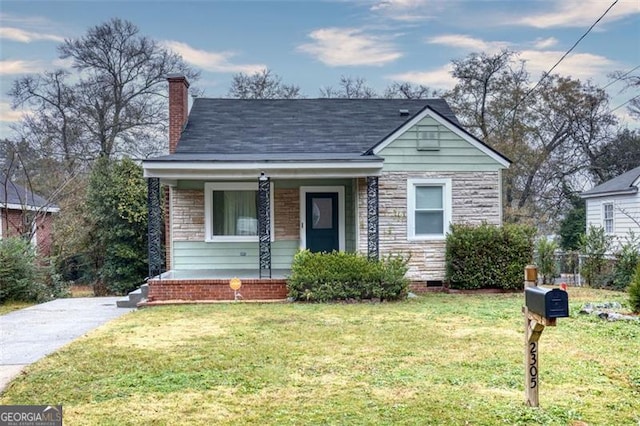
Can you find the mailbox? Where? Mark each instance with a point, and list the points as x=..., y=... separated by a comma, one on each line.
x=549, y=303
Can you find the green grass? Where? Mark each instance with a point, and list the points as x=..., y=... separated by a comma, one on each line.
x=11, y=306
x=437, y=359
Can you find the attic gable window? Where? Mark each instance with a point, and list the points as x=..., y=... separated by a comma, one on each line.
x=428, y=138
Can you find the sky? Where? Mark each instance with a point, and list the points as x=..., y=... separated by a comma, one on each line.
x=313, y=43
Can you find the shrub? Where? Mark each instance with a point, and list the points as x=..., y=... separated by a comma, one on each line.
x=545, y=259
x=22, y=278
x=19, y=278
x=488, y=256
x=594, y=245
x=322, y=277
x=634, y=291
x=627, y=259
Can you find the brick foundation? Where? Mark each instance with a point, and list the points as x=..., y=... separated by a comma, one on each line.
x=215, y=289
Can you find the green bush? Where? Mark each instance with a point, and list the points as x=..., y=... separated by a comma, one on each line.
x=634, y=291
x=19, y=277
x=546, y=260
x=627, y=259
x=322, y=277
x=594, y=245
x=22, y=278
x=488, y=256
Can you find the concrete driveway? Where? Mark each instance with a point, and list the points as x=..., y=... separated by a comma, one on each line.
x=32, y=333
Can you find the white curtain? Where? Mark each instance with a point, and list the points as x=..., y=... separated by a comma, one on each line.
x=235, y=213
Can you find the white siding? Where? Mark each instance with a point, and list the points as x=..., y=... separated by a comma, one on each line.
x=626, y=214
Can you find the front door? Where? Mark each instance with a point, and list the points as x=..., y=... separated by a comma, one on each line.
x=322, y=233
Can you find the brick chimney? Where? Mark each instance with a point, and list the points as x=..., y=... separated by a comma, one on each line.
x=178, y=108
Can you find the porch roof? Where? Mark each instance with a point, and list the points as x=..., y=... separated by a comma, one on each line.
x=249, y=166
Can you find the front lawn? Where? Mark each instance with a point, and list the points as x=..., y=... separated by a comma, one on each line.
x=437, y=359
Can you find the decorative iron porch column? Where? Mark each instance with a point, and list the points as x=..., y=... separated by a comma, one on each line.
x=154, y=227
x=264, y=225
x=372, y=217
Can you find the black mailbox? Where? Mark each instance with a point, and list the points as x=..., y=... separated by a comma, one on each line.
x=549, y=303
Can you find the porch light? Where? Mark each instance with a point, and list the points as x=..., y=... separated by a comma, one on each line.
x=262, y=177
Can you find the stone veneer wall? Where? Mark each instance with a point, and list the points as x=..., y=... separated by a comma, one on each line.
x=188, y=214
x=476, y=199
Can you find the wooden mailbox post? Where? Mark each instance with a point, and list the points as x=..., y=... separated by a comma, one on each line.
x=542, y=308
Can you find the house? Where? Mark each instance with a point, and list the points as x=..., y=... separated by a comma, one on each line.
x=23, y=213
x=251, y=182
x=615, y=205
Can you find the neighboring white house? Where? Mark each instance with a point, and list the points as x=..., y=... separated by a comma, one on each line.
x=615, y=205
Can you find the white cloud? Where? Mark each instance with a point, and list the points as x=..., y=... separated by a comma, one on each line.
x=9, y=67
x=439, y=78
x=544, y=43
x=404, y=10
x=579, y=65
x=24, y=36
x=398, y=4
x=349, y=47
x=66, y=63
x=462, y=41
x=9, y=115
x=580, y=13
x=211, y=61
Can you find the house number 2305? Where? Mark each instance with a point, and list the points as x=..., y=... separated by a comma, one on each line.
x=533, y=364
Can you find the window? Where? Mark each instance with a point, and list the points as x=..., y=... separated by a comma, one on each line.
x=231, y=211
x=607, y=217
x=428, y=208
x=428, y=138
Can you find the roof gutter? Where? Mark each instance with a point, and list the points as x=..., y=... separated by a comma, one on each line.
x=630, y=191
x=174, y=170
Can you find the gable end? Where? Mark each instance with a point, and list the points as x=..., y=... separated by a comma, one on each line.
x=449, y=125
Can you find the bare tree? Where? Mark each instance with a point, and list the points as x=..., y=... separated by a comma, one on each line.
x=407, y=90
x=53, y=128
x=632, y=83
x=18, y=194
x=349, y=88
x=262, y=85
x=548, y=134
x=117, y=103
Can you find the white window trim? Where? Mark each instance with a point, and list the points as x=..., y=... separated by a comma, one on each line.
x=411, y=204
x=209, y=187
x=303, y=213
x=604, y=218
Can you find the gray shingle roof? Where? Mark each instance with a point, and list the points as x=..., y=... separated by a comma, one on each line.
x=619, y=185
x=294, y=126
x=12, y=193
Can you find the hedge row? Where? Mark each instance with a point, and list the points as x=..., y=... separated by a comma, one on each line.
x=488, y=256
x=322, y=277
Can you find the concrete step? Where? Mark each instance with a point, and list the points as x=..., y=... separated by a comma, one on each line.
x=135, y=297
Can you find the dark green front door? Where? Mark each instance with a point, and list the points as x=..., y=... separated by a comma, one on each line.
x=322, y=221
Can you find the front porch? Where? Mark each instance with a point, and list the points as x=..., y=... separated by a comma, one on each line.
x=289, y=215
